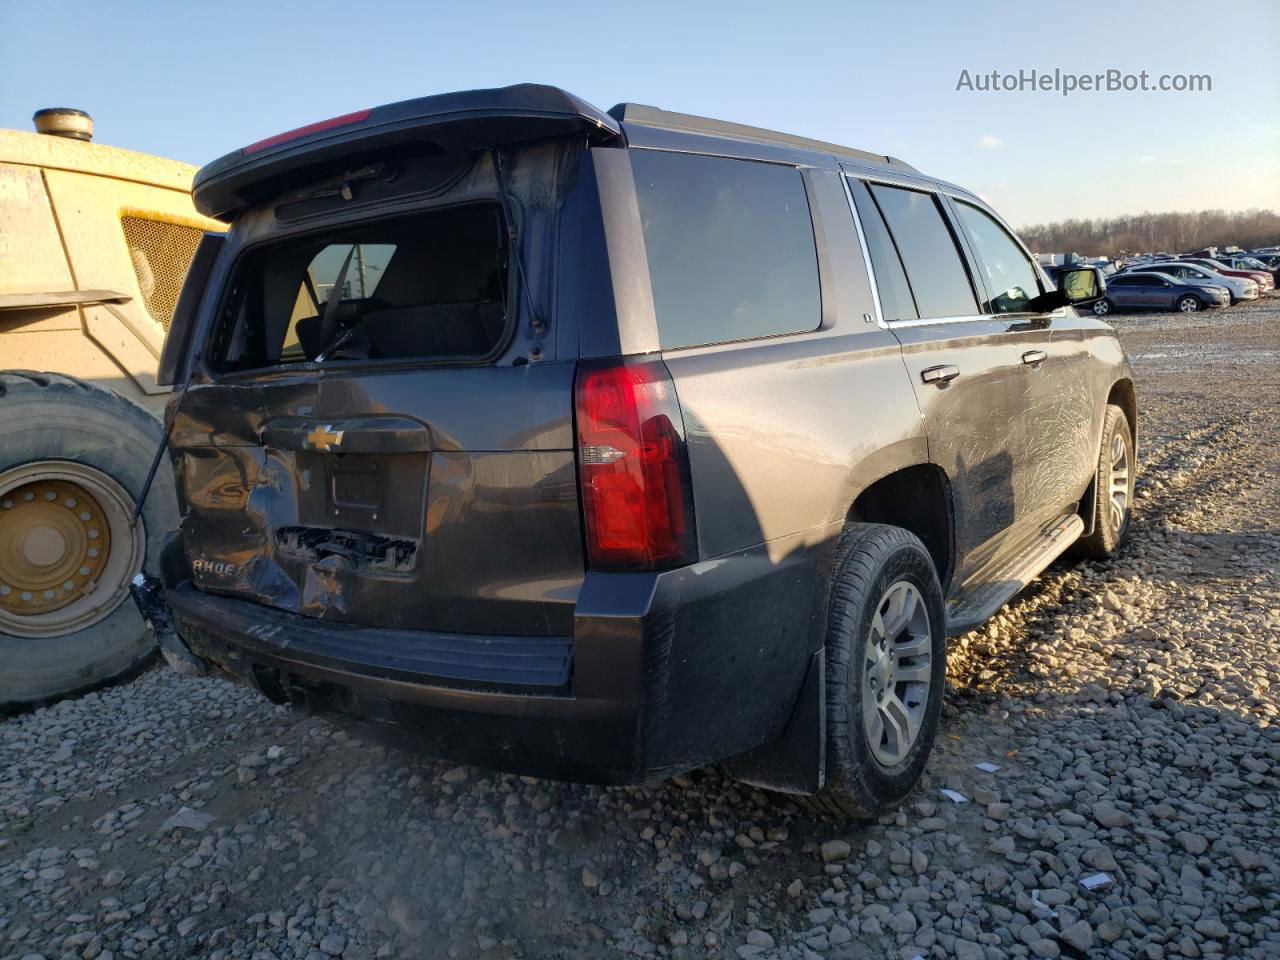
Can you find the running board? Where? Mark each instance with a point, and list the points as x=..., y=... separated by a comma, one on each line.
x=975, y=607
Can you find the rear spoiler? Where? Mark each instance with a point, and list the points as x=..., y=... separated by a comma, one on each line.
x=449, y=122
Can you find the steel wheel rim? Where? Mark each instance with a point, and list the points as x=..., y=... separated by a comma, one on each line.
x=64, y=523
x=898, y=672
x=1118, y=486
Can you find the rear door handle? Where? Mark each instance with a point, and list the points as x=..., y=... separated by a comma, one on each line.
x=940, y=374
x=1034, y=356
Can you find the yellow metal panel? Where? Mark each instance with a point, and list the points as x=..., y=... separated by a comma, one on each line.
x=70, y=351
x=88, y=210
x=31, y=257
x=34, y=321
x=61, y=153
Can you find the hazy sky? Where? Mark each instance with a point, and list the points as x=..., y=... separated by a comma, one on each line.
x=193, y=81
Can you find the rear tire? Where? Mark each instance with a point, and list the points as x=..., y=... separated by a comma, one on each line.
x=1113, y=490
x=73, y=459
x=1103, y=307
x=886, y=667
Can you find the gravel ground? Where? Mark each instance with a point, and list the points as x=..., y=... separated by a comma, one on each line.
x=1131, y=709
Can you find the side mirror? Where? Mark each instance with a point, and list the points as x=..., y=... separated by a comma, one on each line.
x=1076, y=287
x=177, y=357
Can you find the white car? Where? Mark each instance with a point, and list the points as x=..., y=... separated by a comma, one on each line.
x=1264, y=278
x=1241, y=289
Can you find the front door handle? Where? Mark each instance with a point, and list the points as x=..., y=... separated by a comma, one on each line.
x=940, y=374
x=1034, y=356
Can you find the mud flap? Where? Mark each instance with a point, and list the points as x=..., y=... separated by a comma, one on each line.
x=797, y=761
x=145, y=591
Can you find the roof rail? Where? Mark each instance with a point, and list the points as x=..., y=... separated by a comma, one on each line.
x=644, y=115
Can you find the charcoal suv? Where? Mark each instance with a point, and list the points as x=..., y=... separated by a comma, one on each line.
x=601, y=446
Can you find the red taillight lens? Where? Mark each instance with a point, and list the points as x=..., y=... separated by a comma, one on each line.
x=633, y=469
x=332, y=123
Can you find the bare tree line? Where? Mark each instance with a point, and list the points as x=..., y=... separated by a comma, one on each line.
x=1156, y=232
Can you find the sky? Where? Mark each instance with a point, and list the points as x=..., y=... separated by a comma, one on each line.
x=194, y=81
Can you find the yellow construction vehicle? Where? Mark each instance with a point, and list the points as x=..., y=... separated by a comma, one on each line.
x=95, y=242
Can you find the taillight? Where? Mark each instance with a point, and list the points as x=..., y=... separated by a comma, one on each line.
x=633, y=469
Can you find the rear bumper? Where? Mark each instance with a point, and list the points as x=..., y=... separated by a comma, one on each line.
x=663, y=671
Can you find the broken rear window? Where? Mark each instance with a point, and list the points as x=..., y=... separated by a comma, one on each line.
x=429, y=286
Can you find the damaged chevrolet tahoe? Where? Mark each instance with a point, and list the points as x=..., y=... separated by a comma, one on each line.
x=601, y=446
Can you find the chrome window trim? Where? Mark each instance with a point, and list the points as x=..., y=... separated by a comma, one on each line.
x=845, y=175
x=866, y=252
x=973, y=318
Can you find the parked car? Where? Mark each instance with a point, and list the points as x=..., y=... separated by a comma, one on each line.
x=1262, y=278
x=651, y=441
x=1242, y=262
x=1152, y=290
x=1185, y=271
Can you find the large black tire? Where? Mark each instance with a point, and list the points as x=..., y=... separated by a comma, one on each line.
x=1110, y=527
x=871, y=560
x=54, y=426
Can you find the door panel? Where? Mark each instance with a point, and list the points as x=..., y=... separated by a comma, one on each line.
x=1054, y=418
x=973, y=424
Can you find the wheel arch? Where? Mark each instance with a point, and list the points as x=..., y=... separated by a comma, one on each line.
x=1123, y=395
x=918, y=498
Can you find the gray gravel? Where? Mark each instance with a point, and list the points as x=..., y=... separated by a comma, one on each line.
x=1131, y=709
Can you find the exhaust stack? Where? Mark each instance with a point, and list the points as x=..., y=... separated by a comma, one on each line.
x=64, y=122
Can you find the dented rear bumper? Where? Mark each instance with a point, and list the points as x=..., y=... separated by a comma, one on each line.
x=662, y=672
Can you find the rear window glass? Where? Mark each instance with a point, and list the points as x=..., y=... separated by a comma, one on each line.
x=938, y=277
x=730, y=248
x=891, y=282
x=427, y=286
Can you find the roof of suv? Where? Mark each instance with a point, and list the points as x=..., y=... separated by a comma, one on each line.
x=466, y=120
x=644, y=115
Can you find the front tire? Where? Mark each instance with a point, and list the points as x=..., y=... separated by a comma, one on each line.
x=1113, y=490
x=73, y=458
x=1102, y=308
x=886, y=667
x=1189, y=304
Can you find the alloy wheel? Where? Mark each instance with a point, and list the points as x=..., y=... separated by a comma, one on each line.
x=898, y=672
x=1118, y=488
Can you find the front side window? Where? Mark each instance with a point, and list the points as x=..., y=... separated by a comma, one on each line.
x=429, y=286
x=730, y=248
x=1011, y=279
x=929, y=253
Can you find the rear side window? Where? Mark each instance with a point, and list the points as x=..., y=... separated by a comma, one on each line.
x=730, y=248
x=430, y=286
x=1011, y=280
x=929, y=253
x=891, y=280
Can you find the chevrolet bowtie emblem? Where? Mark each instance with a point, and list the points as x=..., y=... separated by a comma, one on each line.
x=324, y=438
